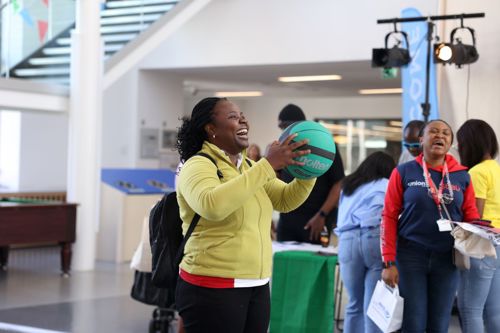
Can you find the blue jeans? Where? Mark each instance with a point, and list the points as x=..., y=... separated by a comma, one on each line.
x=479, y=295
x=360, y=269
x=428, y=282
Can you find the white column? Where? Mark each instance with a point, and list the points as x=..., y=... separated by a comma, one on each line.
x=85, y=130
x=360, y=124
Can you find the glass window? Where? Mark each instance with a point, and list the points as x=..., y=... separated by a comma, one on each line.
x=358, y=138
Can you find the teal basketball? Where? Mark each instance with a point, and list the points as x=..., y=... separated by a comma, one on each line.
x=321, y=145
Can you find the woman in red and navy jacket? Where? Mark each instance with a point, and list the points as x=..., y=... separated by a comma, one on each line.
x=422, y=196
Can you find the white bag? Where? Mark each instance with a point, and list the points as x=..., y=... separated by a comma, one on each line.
x=471, y=244
x=386, y=308
x=142, y=259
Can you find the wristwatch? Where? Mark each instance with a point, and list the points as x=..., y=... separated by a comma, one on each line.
x=388, y=264
x=322, y=213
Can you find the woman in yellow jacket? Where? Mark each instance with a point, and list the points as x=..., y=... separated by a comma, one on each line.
x=224, y=274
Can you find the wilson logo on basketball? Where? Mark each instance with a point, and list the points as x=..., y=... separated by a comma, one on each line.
x=315, y=164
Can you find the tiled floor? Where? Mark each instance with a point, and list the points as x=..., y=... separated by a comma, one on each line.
x=34, y=298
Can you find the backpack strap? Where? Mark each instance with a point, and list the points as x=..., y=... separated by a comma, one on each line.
x=180, y=252
x=219, y=173
x=196, y=217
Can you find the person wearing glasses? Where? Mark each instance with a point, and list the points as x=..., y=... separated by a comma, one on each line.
x=411, y=141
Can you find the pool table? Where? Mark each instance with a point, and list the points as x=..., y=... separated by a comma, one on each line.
x=35, y=221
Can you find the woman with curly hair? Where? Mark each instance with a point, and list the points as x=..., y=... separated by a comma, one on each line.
x=224, y=275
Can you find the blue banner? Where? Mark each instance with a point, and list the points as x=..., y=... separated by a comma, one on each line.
x=413, y=76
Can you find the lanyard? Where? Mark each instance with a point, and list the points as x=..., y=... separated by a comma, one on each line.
x=437, y=194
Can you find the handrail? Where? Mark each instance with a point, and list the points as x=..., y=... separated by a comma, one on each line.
x=5, y=5
x=18, y=63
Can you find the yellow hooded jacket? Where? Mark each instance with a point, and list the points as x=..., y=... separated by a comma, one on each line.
x=232, y=238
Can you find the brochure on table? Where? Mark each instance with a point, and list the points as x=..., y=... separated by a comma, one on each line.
x=296, y=246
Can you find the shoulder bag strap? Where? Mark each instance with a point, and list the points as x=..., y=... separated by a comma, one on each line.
x=196, y=217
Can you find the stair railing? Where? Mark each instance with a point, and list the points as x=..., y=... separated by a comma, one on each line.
x=27, y=25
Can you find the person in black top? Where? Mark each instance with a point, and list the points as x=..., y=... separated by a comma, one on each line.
x=305, y=223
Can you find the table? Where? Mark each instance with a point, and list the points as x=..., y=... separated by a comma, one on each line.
x=37, y=222
x=302, y=296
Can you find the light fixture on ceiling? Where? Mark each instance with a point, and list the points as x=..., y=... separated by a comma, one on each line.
x=375, y=144
x=381, y=91
x=394, y=56
x=396, y=123
x=238, y=93
x=455, y=52
x=386, y=129
x=310, y=78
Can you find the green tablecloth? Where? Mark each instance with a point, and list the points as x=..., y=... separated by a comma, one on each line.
x=302, y=296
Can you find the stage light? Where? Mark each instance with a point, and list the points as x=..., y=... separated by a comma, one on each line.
x=453, y=52
x=394, y=56
x=456, y=52
x=443, y=51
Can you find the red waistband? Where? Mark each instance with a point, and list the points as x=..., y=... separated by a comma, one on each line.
x=206, y=281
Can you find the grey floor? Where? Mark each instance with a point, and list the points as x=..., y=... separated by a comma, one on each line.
x=34, y=298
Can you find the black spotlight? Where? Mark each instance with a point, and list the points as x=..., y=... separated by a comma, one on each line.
x=456, y=53
x=393, y=57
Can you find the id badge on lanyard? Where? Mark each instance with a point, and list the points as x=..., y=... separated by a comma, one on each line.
x=444, y=225
x=437, y=196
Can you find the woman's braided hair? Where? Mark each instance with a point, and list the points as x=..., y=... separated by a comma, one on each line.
x=192, y=134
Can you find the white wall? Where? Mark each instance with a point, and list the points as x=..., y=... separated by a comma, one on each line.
x=160, y=106
x=33, y=135
x=10, y=149
x=119, y=123
x=243, y=32
x=140, y=99
x=33, y=151
x=43, y=157
x=484, y=86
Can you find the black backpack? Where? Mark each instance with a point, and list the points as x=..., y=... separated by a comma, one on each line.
x=167, y=242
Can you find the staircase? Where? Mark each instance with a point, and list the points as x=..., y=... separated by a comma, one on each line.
x=121, y=21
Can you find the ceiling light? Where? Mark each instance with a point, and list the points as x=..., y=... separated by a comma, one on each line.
x=376, y=144
x=392, y=57
x=238, y=93
x=396, y=123
x=381, y=91
x=386, y=129
x=456, y=52
x=309, y=78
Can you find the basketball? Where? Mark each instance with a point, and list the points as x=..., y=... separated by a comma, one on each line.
x=320, y=143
